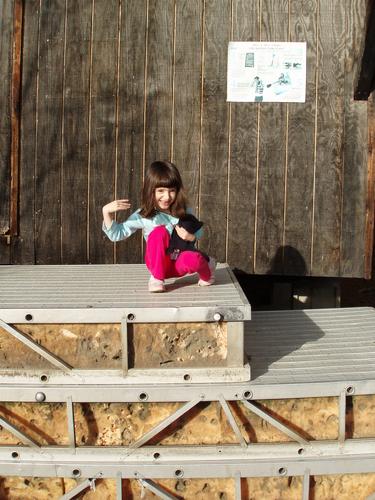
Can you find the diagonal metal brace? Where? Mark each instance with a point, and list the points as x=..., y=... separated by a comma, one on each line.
x=232, y=421
x=276, y=423
x=156, y=489
x=169, y=420
x=19, y=434
x=82, y=486
x=42, y=351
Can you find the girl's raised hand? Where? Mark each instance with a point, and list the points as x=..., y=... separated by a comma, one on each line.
x=116, y=206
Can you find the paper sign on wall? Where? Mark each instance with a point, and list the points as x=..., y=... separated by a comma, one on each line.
x=266, y=72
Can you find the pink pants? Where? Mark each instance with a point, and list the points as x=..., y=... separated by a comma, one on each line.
x=160, y=264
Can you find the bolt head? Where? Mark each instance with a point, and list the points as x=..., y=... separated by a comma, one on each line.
x=40, y=397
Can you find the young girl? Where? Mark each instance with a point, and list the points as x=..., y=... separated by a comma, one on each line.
x=163, y=203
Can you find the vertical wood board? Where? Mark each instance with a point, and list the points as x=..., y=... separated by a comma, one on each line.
x=159, y=97
x=243, y=154
x=103, y=107
x=301, y=148
x=353, y=230
x=131, y=119
x=48, y=146
x=74, y=188
x=23, y=249
x=187, y=95
x=329, y=152
x=272, y=162
x=6, y=42
x=215, y=122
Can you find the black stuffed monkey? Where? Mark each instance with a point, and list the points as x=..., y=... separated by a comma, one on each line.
x=177, y=245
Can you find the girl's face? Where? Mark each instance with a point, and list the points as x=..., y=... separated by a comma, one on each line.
x=164, y=198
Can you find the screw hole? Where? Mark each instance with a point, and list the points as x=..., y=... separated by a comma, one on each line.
x=131, y=317
x=156, y=455
x=28, y=317
x=247, y=395
x=187, y=376
x=350, y=390
x=143, y=396
x=43, y=378
x=15, y=454
x=76, y=472
x=282, y=471
x=179, y=473
x=301, y=451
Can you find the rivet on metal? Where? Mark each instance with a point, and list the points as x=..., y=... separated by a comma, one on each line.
x=40, y=397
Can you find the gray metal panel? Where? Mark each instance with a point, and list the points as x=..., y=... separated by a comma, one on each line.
x=85, y=289
x=311, y=346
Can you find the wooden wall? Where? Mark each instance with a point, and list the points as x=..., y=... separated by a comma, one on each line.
x=110, y=85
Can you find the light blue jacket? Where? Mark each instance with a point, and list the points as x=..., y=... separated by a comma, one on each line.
x=122, y=230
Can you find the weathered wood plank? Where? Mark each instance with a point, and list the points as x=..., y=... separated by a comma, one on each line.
x=74, y=192
x=6, y=42
x=103, y=125
x=243, y=154
x=130, y=119
x=370, y=200
x=329, y=148
x=272, y=145
x=159, y=96
x=48, y=163
x=352, y=255
x=15, y=114
x=187, y=95
x=23, y=250
x=215, y=123
x=300, y=156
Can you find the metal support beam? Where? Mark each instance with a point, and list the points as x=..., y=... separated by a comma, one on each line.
x=237, y=486
x=19, y=434
x=162, y=425
x=71, y=427
x=82, y=486
x=273, y=421
x=42, y=351
x=156, y=489
x=232, y=421
x=342, y=416
x=306, y=485
x=119, y=486
x=235, y=343
x=124, y=346
x=258, y=460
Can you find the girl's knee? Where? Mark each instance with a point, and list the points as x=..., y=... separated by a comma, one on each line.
x=158, y=232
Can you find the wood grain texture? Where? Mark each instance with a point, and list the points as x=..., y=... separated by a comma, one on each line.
x=187, y=95
x=130, y=119
x=301, y=151
x=370, y=199
x=215, y=123
x=329, y=152
x=243, y=154
x=74, y=192
x=15, y=114
x=23, y=250
x=159, y=96
x=353, y=230
x=6, y=37
x=102, y=125
x=272, y=144
x=48, y=147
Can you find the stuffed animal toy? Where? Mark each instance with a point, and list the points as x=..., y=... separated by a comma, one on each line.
x=177, y=245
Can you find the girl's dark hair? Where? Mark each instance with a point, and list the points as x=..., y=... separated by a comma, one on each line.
x=162, y=174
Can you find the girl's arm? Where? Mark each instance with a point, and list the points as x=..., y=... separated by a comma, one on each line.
x=111, y=208
x=117, y=231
